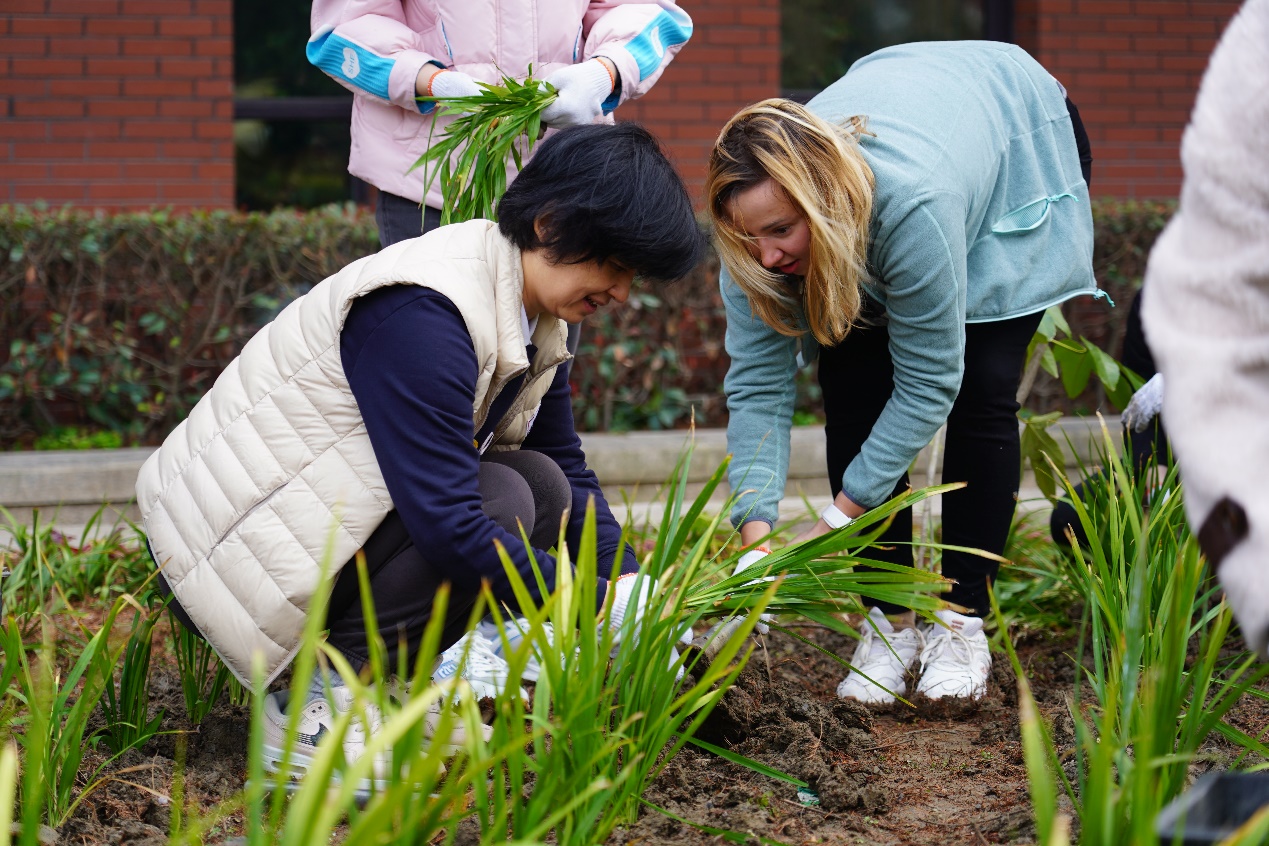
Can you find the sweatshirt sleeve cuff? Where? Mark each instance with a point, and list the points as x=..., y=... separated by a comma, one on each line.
x=401, y=84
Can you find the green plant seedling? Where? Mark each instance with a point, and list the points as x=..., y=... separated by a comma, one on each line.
x=203, y=676
x=8, y=791
x=54, y=730
x=471, y=159
x=49, y=571
x=126, y=708
x=1154, y=630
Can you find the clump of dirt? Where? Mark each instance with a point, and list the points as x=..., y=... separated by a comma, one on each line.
x=773, y=719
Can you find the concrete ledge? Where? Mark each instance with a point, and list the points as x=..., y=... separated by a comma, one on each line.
x=69, y=487
x=69, y=477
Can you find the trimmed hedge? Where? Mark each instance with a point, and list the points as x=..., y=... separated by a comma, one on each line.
x=120, y=322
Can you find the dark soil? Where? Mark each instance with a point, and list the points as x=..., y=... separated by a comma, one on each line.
x=929, y=773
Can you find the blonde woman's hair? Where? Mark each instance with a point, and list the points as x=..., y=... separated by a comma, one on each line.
x=821, y=170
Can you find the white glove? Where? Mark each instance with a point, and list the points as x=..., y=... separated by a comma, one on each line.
x=746, y=561
x=583, y=88
x=630, y=596
x=450, y=83
x=1145, y=404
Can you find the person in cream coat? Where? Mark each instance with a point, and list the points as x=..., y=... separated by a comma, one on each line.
x=413, y=406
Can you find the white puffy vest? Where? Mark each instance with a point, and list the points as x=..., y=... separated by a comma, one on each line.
x=272, y=474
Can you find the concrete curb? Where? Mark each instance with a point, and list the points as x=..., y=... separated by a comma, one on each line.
x=69, y=487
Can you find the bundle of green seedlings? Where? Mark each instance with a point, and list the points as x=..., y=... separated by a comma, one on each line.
x=1154, y=655
x=471, y=159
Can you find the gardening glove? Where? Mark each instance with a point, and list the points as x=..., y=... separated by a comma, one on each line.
x=450, y=83
x=746, y=561
x=1145, y=404
x=583, y=88
x=630, y=597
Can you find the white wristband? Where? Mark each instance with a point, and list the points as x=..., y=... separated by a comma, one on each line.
x=835, y=517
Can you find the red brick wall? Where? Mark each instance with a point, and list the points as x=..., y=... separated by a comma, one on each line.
x=732, y=60
x=1133, y=68
x=117, y=103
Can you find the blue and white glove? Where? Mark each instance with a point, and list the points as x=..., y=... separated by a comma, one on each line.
x=583, y=88
x=1145, y=404
x=746, y=561
x=449, y=83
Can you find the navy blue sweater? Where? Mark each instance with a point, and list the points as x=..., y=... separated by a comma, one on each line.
x=412, y=368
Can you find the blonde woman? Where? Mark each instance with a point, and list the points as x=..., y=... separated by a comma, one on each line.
x=909, y=226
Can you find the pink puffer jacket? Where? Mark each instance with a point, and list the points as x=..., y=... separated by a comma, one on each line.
x=376, y=48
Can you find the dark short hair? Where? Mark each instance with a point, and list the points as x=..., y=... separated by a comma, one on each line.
x=604, y=192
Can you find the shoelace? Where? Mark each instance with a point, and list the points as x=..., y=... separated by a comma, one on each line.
x=939, y=641
x=518, y=629
x=867, y=640
x=873, y=640
x=481, y=659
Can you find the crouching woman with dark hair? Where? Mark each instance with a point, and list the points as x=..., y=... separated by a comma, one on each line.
x=415, y=402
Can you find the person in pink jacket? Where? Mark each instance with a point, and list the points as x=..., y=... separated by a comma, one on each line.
x=598, y=53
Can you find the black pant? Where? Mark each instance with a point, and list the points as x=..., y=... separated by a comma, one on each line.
x=982, y=447
x=399, y=219
x=516, y=487
x=520, y=486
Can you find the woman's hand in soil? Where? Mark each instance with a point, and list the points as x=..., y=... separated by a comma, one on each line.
x=842, y=511
x=749, y=559
x=630, y=595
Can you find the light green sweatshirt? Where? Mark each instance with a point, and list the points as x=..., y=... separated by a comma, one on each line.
x=980, y=214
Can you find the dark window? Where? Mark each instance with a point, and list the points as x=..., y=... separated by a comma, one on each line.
x=822, y=38
x=290, y=119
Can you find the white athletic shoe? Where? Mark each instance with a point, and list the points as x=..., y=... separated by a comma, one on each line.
x=881, y=660
x=956, y=660
x=484, y=670
x=316, y=722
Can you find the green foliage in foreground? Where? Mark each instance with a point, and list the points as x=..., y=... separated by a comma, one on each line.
x=609, y=712
x=1154, y=631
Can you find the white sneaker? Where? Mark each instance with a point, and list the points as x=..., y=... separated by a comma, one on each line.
x=881, y=660
x=316, y=721
x=956, y=660
x=484, y=670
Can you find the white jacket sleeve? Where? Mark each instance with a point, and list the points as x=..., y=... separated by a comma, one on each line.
x=1206, y=313
x=367, y=47
x=639, y=37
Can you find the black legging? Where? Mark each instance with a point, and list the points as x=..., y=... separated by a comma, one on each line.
x=516, y=487
x=982, y=447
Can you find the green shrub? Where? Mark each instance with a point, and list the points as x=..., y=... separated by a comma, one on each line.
x=120, y=322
